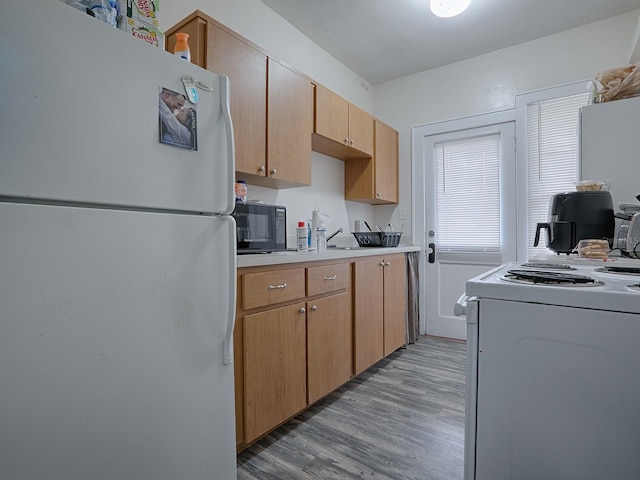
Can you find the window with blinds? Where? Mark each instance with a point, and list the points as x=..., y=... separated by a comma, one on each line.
x=468, y=194
x=552, y=157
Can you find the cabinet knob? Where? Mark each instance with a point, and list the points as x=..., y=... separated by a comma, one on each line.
x=302, y=310
x=378, y=195
x=261, y=169
x=382, y=263
x=314, y=308
x=346, y=141
x=350, y=142
x=387, y=264
x=273, y=171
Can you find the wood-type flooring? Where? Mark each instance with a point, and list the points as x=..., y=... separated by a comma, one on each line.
x=402, y=419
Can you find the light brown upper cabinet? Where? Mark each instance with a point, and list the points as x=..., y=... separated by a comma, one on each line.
x=271, y=105
x=375, y=180
x=289, y=126
x=341, y=130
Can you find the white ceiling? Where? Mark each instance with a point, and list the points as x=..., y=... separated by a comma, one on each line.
x=385, y=39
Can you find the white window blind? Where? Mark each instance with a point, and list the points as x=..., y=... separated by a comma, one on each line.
x=552, y=157
x=468, y=194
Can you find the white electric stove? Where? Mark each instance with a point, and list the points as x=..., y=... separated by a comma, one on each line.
x=611, y=285
x=552, y=371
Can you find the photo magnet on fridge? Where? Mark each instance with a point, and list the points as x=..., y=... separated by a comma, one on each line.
x=177, y=121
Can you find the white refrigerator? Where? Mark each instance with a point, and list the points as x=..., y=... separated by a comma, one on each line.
x=117, y=256
x=610, y=146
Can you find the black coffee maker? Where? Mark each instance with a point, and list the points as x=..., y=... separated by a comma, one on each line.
x=575, y=216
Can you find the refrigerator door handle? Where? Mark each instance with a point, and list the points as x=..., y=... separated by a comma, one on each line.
x=231, y=320
x=231, y=149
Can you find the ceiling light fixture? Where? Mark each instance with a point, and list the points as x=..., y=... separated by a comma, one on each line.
x=448, y=8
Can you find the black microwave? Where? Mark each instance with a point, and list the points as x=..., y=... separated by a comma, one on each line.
x=260, y=228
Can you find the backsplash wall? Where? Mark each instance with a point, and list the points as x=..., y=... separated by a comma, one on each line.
x=326, y=192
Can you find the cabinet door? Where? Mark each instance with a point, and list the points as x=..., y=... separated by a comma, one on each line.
x=289, y=126
x=331, y=115
x=275, y=374
x=395, y=302
x=386, y=163
x=328, y=344
x=360, y=130
x=246, y=68
x=368, y=313
x=375, y=180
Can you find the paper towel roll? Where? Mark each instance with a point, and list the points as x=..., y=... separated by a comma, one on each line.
x=318, y=220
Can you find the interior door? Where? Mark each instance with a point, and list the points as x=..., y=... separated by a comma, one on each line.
x=470, y=215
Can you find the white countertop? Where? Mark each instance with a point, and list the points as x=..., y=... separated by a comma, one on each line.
x=280, y=258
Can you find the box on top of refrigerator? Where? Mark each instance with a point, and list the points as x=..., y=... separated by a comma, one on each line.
x=145, y=11
x=143, y=31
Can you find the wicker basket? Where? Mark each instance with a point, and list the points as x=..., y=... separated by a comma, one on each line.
x=377, y=239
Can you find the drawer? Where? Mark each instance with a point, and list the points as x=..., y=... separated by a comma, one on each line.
x=268, y=288
x=328, y=278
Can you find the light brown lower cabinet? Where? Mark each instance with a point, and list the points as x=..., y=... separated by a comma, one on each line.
x=395, y=302
x=303, y=330
x=368, y=346
x=328, y=344
x=275, y=377
x=292, y=342
x=379, y=308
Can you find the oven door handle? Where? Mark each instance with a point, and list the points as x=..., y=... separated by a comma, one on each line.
x=460, y=308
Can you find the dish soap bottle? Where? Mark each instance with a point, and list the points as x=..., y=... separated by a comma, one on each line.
x=182, y=47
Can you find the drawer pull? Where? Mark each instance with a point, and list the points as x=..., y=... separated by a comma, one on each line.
x=331, y=278
x=276, y=287
x=314, y=308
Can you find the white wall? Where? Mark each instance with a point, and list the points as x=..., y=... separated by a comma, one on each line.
x=490, y=82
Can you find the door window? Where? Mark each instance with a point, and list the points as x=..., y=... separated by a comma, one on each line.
x=468, y=194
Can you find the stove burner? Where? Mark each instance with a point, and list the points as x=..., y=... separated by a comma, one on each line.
x=536, y=277
x=550, y=266
x=619, y=270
